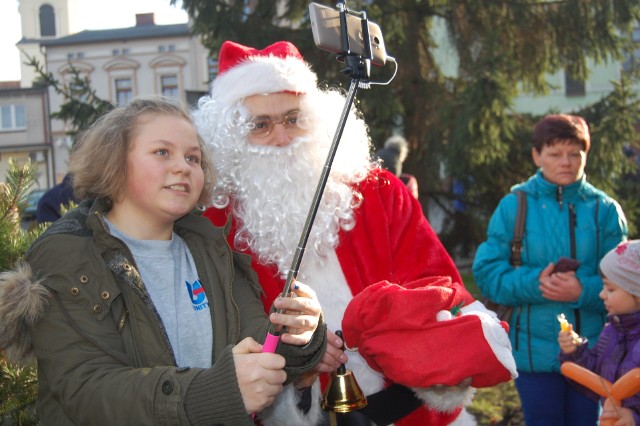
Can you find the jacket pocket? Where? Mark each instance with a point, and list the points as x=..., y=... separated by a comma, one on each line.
x=88, y=286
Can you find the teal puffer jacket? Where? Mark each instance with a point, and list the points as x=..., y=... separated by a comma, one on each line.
x=600, y=225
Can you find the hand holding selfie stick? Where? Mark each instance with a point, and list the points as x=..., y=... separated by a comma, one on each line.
x=624, y=387
x=358, y=68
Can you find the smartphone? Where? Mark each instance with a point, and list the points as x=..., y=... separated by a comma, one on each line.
x=566, y=264
x=325, y=25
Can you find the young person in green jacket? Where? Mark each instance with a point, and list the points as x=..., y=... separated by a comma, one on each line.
x=137, y=310
x=566, y=217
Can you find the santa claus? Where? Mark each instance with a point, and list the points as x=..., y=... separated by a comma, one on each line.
x=379, y=270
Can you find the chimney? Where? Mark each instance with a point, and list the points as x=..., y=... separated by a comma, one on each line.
x=143, y=19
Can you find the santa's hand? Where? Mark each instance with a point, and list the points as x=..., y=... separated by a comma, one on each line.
x=300, y=316
x=334, y=356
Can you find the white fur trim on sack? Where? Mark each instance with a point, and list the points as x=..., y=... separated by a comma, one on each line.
x=494, y=334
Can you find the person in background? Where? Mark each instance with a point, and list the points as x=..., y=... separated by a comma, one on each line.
x=565, y=217
x=370, y=250
x=136, y=309
x=55, y=199
x=618, y=348
x=392, y=157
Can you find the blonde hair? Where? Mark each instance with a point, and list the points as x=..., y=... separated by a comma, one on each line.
x=99, y=161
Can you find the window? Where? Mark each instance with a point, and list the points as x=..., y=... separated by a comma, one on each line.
x=124, y=91
x=631, y=62
x=116, y=52
x=47, y=21
x=167, y=48
x=212, y=66
x=12, y=117
x=572, y=86
x=169, y=86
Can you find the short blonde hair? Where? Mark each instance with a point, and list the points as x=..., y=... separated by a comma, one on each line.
x=99, y=161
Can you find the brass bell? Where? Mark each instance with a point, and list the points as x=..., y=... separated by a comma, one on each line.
x=343, y=394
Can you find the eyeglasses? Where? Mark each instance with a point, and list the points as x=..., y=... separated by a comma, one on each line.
x=262, y=126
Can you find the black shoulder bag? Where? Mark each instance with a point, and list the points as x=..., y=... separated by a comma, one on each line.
x=504, y=311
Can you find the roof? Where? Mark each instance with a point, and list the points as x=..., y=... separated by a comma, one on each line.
x=118, y=34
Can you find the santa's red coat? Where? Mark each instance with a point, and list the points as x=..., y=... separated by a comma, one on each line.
x=391, y=241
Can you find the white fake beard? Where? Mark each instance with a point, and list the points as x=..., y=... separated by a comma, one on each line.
x=270, y=189
x=276, y=189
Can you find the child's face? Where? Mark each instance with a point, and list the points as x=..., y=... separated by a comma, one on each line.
x=617, y=300
x=164, y=174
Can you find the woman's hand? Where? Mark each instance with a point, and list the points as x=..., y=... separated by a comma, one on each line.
x=301, y=314
x=559, y=286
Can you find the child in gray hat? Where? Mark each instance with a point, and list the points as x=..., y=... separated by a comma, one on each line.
x=618, y=348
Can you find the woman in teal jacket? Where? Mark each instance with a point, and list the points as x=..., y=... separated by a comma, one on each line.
x=563, y=211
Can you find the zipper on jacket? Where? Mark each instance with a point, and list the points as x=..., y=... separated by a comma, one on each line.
x=235, y=305
x=517, y=336
x=125, y=316
x=559, y=196
x=529, y=338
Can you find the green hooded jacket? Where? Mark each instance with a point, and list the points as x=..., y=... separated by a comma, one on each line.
x=80, y=307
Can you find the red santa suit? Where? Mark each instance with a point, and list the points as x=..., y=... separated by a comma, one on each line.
x=391, y=242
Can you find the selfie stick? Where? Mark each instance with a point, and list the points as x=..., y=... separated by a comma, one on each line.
x=358, y=68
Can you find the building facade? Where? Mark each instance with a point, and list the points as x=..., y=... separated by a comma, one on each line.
x=120, y=64
x=24, y=130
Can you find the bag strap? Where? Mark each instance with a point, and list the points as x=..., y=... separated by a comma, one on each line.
x=518, y=232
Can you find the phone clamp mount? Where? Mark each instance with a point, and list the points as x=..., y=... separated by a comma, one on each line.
x=356, y=66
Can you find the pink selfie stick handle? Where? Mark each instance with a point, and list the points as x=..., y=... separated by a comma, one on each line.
x=270, y=343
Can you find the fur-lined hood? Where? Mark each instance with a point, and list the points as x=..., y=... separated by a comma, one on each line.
x=23, y=300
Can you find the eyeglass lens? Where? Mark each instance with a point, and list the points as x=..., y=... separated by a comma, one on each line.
x=263, y=125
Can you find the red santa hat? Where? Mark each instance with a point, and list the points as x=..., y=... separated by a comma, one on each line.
x=397, y=332
x=244, y=71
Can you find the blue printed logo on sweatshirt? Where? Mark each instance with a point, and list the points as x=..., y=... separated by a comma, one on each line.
x=197, y=294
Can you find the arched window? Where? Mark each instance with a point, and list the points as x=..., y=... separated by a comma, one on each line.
x=47, y=21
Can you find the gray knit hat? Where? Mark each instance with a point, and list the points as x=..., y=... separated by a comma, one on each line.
x=622, y=266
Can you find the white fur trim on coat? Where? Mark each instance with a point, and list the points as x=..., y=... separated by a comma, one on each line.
x=464, y=419
x=449, y=399
x=285, y=412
